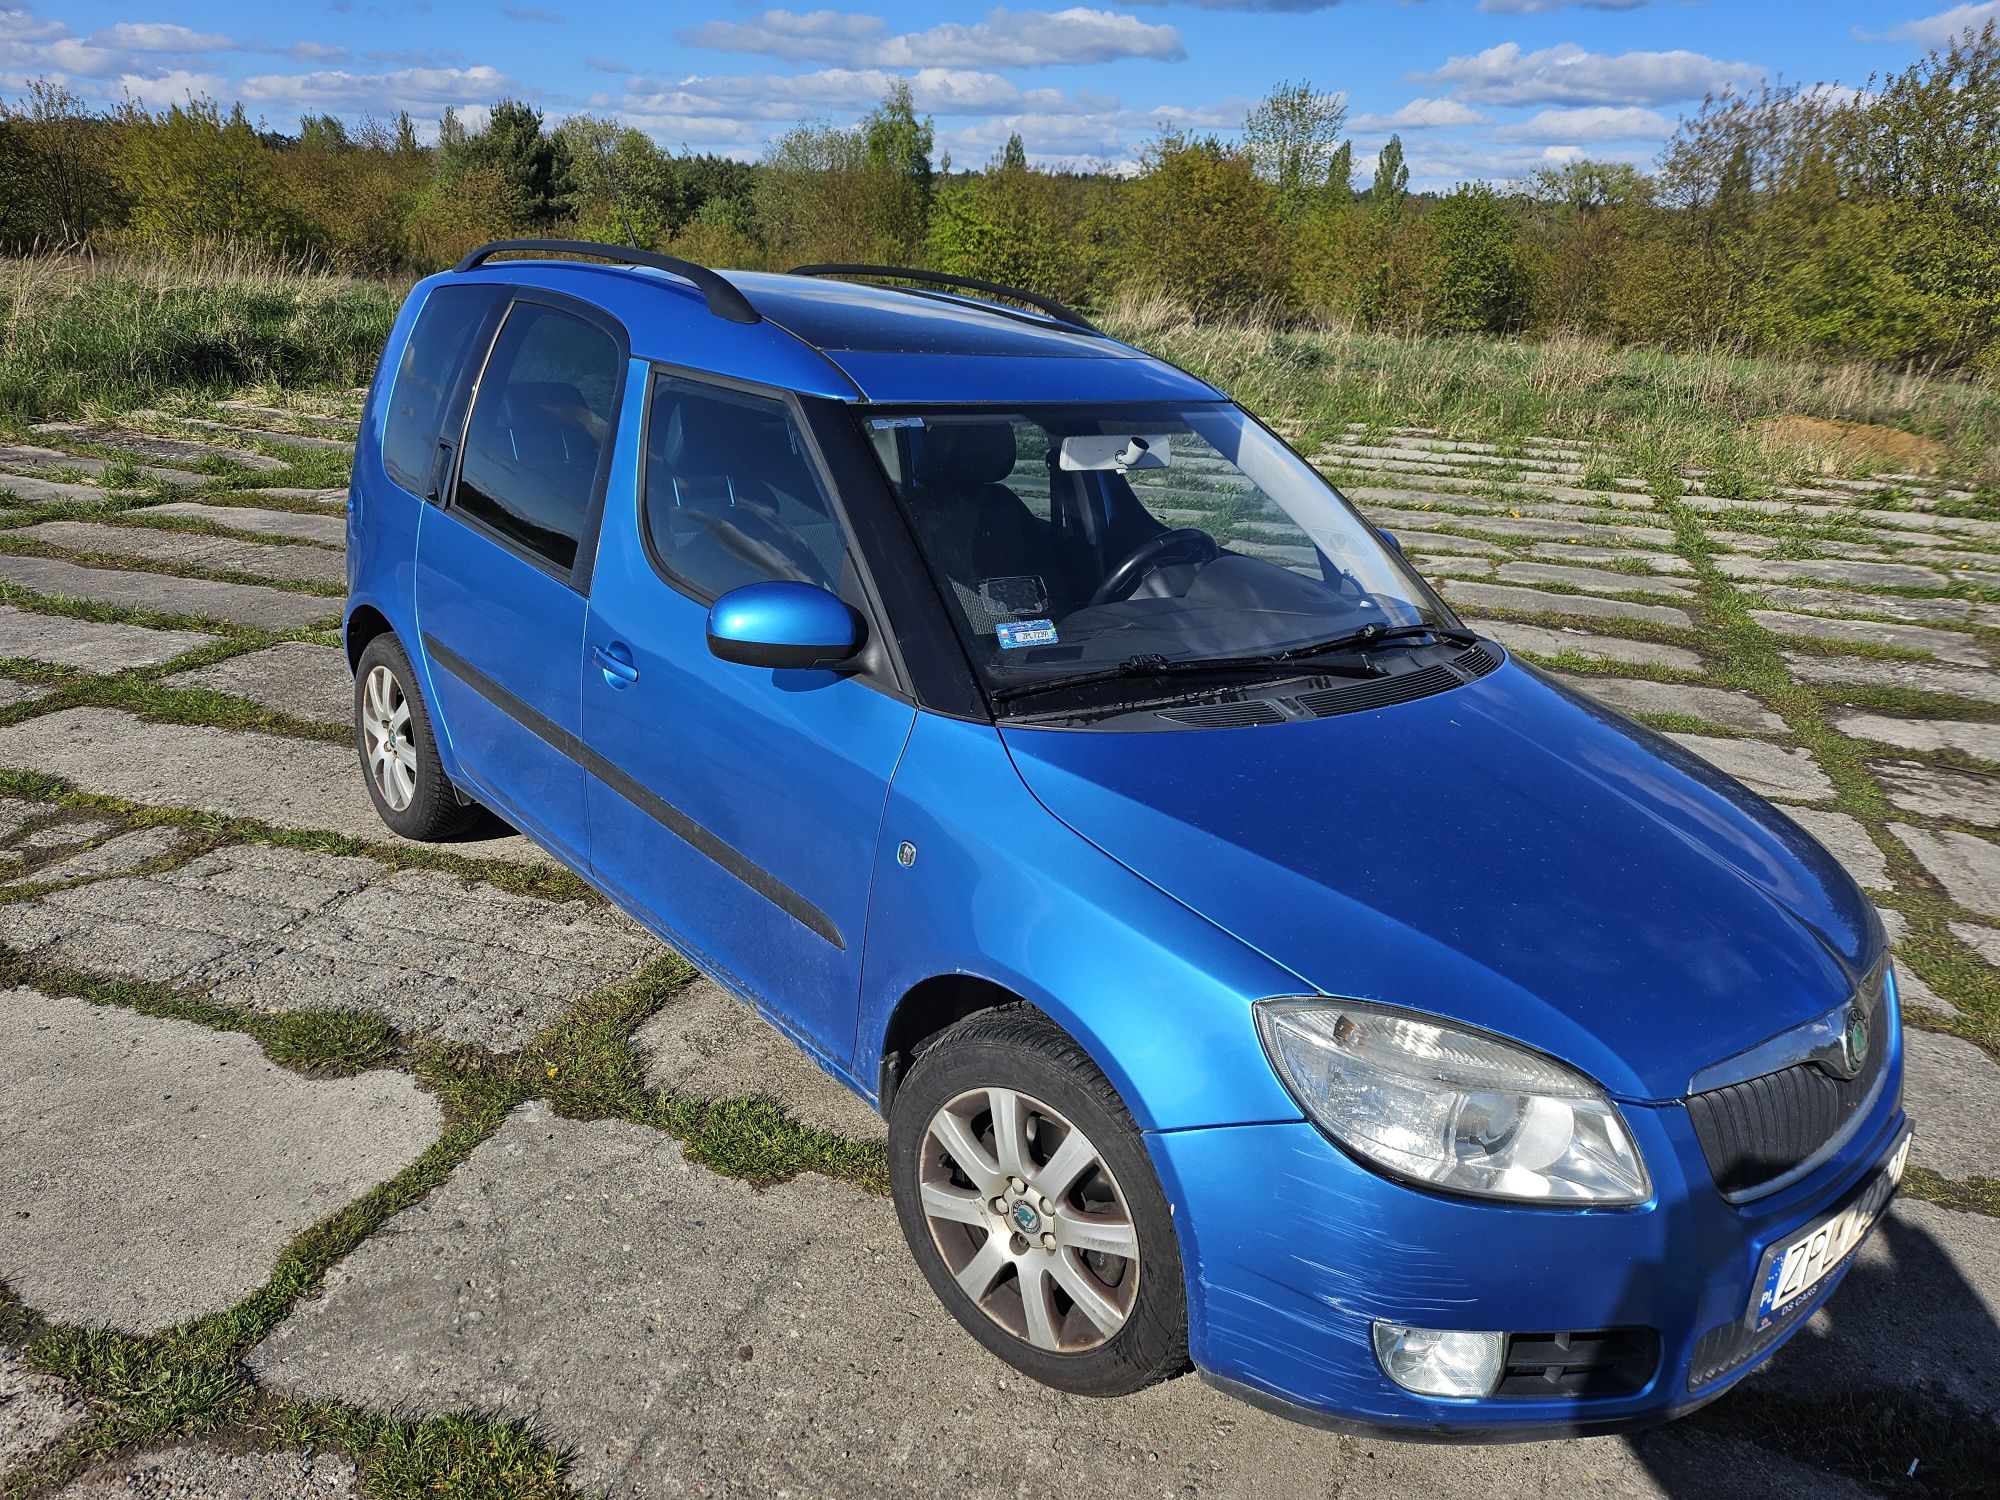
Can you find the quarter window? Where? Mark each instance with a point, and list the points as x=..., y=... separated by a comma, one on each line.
x=432, y=359
x=731, y=495
x=540, y=424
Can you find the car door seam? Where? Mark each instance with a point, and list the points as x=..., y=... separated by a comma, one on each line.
x=716, y=849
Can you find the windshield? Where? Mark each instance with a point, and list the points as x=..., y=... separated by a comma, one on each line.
x=1068, y=541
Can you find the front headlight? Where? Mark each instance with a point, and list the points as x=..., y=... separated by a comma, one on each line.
x=1449, y=1107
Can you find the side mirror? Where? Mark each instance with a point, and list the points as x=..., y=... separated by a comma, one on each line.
x=1390, y=537
x=783, y=624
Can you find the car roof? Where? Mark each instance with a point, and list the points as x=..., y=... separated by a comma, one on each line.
x=854, y=342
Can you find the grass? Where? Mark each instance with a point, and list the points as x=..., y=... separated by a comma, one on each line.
x=1977, y=1195
x=319, y=1043
x=189, y=1381
x=172, y=567
x=547, y=882
x=78, y=335
x=1660, y=411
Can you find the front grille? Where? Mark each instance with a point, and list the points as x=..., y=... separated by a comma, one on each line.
x=1756, y=1132
x=1604, y=1362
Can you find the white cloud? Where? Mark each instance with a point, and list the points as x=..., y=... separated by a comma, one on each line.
x=159, y=36
x=1439, y=165
x=338, y=91
x=1940, y=30
x=1419, y=114
x=1597, y=122
x=17, y=24
x=1568, y=74
x=1057, y=138
x=175, y=86
x=786, y=96
x=159, y=55
x=1028, y=38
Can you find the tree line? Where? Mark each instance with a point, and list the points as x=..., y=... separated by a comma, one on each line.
x=1801, y=219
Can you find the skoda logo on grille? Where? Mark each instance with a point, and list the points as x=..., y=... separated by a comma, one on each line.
x=1854, y=1041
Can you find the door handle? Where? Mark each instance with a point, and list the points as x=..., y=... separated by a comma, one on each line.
x=442, y=462
x=615, y=661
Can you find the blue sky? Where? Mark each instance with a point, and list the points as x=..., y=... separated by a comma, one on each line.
x=1478, y=89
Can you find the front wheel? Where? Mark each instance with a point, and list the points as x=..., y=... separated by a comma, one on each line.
x=1027, y=1198
x=392, y=734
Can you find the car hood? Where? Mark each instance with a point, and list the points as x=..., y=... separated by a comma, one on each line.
x=1509, y=854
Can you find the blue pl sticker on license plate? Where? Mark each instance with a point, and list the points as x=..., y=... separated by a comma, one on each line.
x=1017, y=633
x=1817, y=1252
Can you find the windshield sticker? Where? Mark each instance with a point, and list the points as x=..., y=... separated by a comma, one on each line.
x=1015, y=634
x=1025, y=595
x=887, y=422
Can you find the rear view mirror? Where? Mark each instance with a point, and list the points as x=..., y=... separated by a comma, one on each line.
x=1390, y=537
x=1118, y=451
x=783, y=624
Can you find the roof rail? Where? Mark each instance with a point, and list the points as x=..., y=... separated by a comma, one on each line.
x=725, y=299
x=1048, y=305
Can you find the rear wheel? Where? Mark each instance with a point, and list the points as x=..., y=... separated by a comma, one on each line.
x=392, y=734
x=1026, y=1196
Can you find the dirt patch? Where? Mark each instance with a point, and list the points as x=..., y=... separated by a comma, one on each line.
x=1840, y=444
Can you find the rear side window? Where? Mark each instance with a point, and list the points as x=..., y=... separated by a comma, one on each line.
x=433, y=357
x=540, y=423
x=731, y=496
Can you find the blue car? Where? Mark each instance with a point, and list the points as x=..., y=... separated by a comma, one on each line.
x=1256, y=968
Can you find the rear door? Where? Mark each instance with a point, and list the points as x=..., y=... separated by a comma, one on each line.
x=503, y=568
x=737, y=807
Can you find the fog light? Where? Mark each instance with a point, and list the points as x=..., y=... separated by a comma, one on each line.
x=1441, y=1361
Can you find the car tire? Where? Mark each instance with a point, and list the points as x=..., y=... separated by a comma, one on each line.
x=410, y=791
x=1014, y=1065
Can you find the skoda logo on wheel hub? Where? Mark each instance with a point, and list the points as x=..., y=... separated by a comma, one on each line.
x=1025, y=1219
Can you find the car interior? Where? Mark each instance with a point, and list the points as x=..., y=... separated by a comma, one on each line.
x=729, y=498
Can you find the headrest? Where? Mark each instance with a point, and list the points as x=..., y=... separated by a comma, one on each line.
x=964, y=454
x=550, y=395
x=667, y=437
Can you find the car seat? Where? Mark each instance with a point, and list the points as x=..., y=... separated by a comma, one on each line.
x=999, y=557
x=729, y=503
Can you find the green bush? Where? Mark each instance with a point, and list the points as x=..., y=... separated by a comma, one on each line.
x=1475, y=270
x=1200, y=225
x=1019, y=227
x=1798, y=220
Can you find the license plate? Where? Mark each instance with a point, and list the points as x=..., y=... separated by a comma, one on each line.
x=1795, y=1266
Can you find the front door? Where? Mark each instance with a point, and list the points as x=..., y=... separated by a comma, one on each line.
x=502, y=569
x=736, y=807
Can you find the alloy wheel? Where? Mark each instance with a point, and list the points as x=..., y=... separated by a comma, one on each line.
x=388, y=739
x=1029, y=1220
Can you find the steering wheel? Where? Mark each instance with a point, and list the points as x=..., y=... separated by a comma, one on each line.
x=1122, y=579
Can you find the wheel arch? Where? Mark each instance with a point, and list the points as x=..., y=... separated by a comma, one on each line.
x=364, y=623
x=929, y=1007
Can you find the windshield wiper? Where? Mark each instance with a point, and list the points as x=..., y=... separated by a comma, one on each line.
x=1370, y=636
x=1289, y=662
x=1162, y=666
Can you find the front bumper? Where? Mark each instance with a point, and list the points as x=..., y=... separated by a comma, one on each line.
x=1293, y=1250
